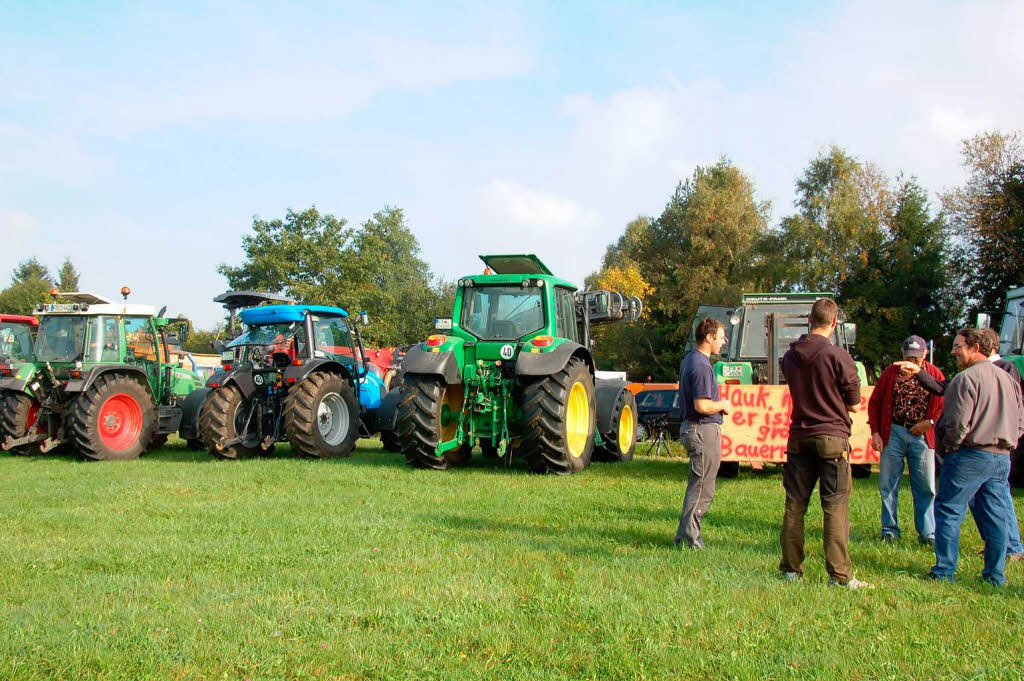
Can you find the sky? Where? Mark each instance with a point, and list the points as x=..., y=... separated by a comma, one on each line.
x=140, y=139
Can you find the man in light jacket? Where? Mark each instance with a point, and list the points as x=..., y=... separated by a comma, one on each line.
x=982, y=420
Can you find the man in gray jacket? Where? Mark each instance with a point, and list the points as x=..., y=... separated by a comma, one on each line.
x=981, y=422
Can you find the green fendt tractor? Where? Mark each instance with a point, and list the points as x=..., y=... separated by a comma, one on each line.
x=513, y=372
x=98, y=380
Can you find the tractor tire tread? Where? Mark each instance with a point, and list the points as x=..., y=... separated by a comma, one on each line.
x=299, y=412
x=216, y=424
x=544, y=408
x=83, y=417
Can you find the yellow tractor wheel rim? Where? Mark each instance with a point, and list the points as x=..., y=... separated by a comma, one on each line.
x=451, y=411
x=577, y=420
x=627, y=428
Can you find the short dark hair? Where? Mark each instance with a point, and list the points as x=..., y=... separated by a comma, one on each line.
x=822, y=313
x=993, y=340
x=708, y=327
x=973, y=336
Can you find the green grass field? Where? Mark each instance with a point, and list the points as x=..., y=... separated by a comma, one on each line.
x=178, y=566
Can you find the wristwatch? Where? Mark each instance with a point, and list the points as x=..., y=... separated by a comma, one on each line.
x=931, y=422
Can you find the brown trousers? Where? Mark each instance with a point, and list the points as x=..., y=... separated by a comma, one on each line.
x=823, y=458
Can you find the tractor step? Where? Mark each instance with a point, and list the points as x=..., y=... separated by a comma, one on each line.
x=170, y=419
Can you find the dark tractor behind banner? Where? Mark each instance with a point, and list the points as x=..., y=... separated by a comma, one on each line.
x=512, y=372
x=98, y=381
x=296, y=373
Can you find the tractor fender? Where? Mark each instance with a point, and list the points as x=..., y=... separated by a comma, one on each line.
x=13, y=384
x=443, y=364
x=190, y=406
x=386, y=416
x=547, y=363
x=295, y=373
x=241, y=378
x=80, y=385
x=607, y=393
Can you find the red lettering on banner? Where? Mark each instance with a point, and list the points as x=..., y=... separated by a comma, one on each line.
x=758, y=426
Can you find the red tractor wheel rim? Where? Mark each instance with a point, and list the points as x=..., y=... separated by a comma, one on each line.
x=120, y=422
x=32, y=415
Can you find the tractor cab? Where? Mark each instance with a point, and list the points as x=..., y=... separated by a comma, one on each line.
x=1011, y=332
x=17, y=335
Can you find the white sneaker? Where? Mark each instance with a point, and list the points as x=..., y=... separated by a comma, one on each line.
x=854, y=583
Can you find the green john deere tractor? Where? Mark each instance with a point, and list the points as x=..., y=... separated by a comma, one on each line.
x=512, y=372
x=98, y=381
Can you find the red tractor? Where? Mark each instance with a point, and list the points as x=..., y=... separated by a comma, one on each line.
x=17, y=334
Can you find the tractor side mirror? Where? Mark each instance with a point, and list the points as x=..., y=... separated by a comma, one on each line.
x=217, y=346
x=183, y=332
x=364, y=318
x=984, y=320
x=850, y=330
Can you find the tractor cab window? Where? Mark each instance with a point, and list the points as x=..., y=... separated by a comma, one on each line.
x=104, y=340
x=60, y=338
x=15, y=341
x=289, y=338
x=333, y=339
x=1010, y=336
x=140, y=340
x=565, y=314
x=502, y=312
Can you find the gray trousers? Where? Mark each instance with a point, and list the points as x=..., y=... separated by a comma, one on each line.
x=703, y=443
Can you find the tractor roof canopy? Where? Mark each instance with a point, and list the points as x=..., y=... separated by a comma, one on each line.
x=515, y=264
x=19, y=319
x=233, y=300
x=275, y=314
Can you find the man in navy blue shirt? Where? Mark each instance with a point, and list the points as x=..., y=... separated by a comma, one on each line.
x=701, y=409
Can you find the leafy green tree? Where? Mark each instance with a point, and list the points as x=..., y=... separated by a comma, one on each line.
x=30, y=284
x=319, y=259
x=67, y=276
x=905, y=286
x=701, y=249
x=986, y=217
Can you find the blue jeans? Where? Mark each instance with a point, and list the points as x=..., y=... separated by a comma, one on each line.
x=1013, y=543
x=921, y=462
x=970, y=473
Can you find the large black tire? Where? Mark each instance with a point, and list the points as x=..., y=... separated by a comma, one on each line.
x=550, y=442
x=321, y=416
x=113, y=420
x=223, y=412
x=620, y=441
x=16, y=418
x=423, y=421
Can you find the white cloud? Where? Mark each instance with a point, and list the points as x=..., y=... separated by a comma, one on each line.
x=525, y=208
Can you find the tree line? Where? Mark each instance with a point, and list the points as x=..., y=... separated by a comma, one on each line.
x=896, y=264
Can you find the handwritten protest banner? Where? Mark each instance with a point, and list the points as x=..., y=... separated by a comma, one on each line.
x=757, y=427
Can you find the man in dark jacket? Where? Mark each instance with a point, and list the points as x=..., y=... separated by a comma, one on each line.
x=902, y=416
x=983, y=418
x=824, y=386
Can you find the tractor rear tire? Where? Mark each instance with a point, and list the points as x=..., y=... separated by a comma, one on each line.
x=113, y=420
x=19, y=414
x=620, y=441
x=321, y=416
x=559, y=417
x=429, y=413
x=219, y=419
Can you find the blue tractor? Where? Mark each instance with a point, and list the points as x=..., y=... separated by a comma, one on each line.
x=295, y=373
